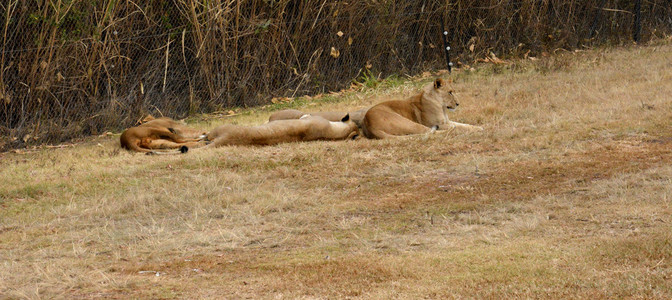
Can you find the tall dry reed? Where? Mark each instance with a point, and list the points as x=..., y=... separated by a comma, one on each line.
x=75, y=67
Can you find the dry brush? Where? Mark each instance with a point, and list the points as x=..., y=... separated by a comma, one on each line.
x=74, y=67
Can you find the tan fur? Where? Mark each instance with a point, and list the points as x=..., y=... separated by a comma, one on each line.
x=309, y=128
x=161, y=133
x=358, y=116
x=418, y=114
x=334, y=116
x=178, y=126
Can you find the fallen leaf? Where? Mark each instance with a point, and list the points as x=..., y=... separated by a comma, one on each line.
x=340, y=33
x=277, y=100
x=495, y=59
x=335, y=53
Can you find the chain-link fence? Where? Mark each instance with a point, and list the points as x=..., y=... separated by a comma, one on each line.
x=79, y=67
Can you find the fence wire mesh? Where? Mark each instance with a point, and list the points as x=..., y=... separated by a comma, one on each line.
x=79, y=67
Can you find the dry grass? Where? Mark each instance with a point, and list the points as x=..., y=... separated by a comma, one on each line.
x=566, y=194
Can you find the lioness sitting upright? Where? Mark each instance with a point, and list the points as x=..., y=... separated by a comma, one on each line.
x=308, y=128
x=421, y=113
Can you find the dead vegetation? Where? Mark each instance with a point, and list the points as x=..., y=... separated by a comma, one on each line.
x=566, y=194
x=73, y=68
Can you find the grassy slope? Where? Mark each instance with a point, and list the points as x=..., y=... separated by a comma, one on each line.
x=565, y=194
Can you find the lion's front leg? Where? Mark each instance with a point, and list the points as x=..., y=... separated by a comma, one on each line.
x=457, y=125
x=448, y=127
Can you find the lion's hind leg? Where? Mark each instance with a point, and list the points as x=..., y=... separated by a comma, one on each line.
x=188, y=134
x=168, y=144
x=394, y=125
x=170, y=134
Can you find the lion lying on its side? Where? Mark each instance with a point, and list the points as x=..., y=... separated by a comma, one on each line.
x=422, y=113
x=334, y=116
x=307, y=128
x=161, y=133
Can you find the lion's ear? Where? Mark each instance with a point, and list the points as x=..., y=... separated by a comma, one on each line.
x=438, y=83
x=147, y=119
x=346, y=118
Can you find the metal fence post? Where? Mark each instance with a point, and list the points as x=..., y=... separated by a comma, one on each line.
x=446, y=47
x=593, y=27
x=637, y=25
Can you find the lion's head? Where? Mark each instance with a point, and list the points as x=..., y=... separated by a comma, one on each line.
x=353, y=127
x=440, y=92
